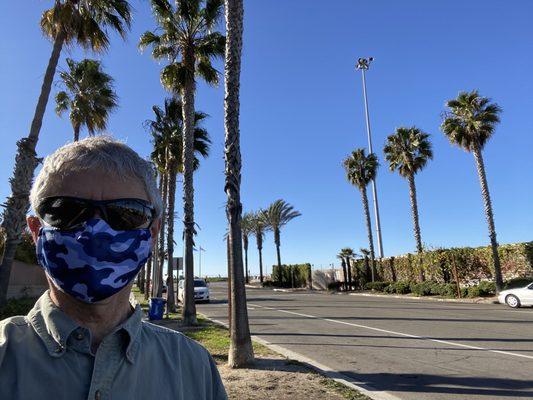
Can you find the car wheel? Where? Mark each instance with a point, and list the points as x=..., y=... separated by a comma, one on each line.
x=512, y=301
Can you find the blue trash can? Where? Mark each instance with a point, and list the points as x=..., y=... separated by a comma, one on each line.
x=155, y=311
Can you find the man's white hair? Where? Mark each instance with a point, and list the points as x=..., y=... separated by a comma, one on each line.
x=98, y=153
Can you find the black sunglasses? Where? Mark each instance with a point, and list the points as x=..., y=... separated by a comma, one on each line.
x=65, y=213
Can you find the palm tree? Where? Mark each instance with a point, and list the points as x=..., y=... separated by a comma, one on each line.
x=187, y=40
x=240, y=351
x=67, y=22
x=259, y=227
x=91, y=97
x=348, y=254
x=469, y=123
x=408, y=151
x=246, y=229
x=279, y=214
x=366, y=254
x=341, y=257
x=360, y=170
x=167, y=132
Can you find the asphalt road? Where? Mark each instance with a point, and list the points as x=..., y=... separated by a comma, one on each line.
x=408, y=349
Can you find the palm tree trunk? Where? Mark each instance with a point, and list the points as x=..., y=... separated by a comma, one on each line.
x=277, y=242
x=189, y=307
x=260, y=249
x=163, y=187
x=245, y=240
x=148, y=278
x=77, y=132
x=489, y=216
x=349, y=269
x=344, y=274
x=171, y=297
x=416, y=225
x=369, y=232
x=240, y=351
x=17, y=205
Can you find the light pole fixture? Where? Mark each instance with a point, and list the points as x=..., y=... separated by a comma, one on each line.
x=363, y=64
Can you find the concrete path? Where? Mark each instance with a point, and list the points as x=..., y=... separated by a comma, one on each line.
x=399, y=348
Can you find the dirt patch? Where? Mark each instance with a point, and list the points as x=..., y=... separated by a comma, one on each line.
x=275, y=378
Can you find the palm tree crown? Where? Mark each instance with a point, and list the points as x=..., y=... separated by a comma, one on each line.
x=279, y=214
x=87, y=22
x=186, y=32
x=471, y=120
x=89, y=95
x=408, y=150
x=361, y=168
x=167, y=135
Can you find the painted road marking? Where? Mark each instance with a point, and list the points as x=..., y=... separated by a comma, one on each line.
x=508, y=353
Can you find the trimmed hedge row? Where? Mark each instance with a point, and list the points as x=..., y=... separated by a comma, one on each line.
x=283, y=277
x=471, y=265
x=432, y=288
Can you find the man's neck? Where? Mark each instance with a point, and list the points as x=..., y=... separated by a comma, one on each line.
x=99, y=318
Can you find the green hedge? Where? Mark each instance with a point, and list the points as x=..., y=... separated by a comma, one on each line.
x=282, y=277
x=472, y=264
x=25, y=251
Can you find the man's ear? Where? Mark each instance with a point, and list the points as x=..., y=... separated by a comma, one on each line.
x=34, y=224
x=154, y=230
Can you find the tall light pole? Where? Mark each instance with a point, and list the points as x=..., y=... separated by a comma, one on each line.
x=363, y=64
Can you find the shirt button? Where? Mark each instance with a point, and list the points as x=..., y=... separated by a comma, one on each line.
x=97, y=395
x=79, y=336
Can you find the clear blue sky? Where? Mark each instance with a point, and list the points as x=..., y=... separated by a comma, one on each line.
x=302, y=113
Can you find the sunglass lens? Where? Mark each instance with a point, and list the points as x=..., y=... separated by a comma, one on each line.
x=64, y=212
x=128, y=214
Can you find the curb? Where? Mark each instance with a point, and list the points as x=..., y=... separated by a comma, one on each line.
x=322, y=369
x=490, y=300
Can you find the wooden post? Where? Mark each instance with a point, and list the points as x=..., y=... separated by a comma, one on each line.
x=456, y=276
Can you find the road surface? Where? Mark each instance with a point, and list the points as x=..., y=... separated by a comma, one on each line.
x=409, y=349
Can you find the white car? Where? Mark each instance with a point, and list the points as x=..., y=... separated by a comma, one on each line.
x=201, y=290
x=517, y=297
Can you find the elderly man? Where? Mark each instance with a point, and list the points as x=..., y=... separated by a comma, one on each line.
x=97, y=215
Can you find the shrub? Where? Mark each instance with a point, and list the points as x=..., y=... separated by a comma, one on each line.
x=377, y=286
x=473, y=291
x=335, y=286
x=282, y=277
x=17, y=307
x=517, y=282
x=422, y=288
x=487, y=288
x=398, y=287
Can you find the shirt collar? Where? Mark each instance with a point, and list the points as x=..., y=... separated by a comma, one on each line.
x=54, y=327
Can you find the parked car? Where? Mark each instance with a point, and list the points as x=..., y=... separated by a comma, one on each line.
x=517, y=297
x=201, y=290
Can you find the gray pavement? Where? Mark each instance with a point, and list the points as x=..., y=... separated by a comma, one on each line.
x=407, y=349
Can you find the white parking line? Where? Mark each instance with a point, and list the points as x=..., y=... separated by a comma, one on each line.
x=397, y=333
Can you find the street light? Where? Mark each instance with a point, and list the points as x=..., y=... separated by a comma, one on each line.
x=363, y=64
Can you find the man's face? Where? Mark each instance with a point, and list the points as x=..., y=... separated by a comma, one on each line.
x=96, y=185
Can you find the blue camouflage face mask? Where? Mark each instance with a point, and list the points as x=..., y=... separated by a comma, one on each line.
x=93, y=262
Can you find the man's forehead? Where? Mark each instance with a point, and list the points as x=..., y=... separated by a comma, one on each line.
x=97, y=185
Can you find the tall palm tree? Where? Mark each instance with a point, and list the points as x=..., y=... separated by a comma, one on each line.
x=408, y=150
x=279, y=214
x=469, y=123
x=187, y=39
x=348, y=254
x=167, y=131
x=90, y=96
x=341, y=257
x=246, y=229
x=240, y=351
x=360, y=170
x=366, y=254
x=259, y=227
x=86, y=23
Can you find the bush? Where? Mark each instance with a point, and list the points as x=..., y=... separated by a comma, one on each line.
x=398, y=287
x=473, y=291
x=282, y=277
x=377, y=286
x=17, y=307
x=335, y=286
x=516, y=283
x=487, y=288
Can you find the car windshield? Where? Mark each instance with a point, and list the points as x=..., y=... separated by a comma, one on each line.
x=199, y=283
